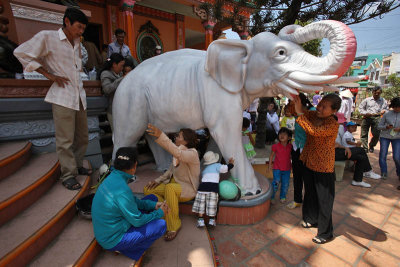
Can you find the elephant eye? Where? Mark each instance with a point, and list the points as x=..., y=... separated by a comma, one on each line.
x=280, y=54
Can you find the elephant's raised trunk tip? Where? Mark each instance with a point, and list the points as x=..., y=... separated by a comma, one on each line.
x=342, y=41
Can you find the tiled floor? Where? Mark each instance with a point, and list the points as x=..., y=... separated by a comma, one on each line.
x=366, y=223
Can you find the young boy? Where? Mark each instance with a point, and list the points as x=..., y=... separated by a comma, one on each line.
x=348, y=138
x=206, y=200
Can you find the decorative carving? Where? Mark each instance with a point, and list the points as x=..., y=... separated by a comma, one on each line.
x=153, y=13
x=8, y=92
x=127, y=5
x=36, y=127
x=201, y=13
x=20, y=128
x=47, y=141
x=32, y=13
x=43, y=141
x=149, y=27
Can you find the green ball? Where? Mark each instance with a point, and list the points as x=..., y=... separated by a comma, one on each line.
x=227, y=190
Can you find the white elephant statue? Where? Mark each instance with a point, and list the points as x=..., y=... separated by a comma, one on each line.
x=196, y=89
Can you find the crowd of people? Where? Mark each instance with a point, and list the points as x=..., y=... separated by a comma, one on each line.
x=307, y=140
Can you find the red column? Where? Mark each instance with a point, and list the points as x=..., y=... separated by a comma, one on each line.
x=180, y=31
x=208, y=26
x=128, y=23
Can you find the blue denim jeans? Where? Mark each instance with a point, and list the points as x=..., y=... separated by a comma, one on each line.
x=384, y=143
x=283, y=178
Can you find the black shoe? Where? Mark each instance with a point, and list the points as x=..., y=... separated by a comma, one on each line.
x=371, y=150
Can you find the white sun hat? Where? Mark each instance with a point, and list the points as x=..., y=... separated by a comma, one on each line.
x=210, y=158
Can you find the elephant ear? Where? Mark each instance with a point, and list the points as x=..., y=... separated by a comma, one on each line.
x=227, y=63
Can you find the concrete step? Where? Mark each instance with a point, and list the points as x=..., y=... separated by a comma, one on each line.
x=29, y=183
x=68, y=246
x=13, y=156
x=25, y=236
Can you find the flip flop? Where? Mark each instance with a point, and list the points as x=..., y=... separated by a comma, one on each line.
x=84, y=171
x=319, y=240
x=72, y=184
x=307, y=225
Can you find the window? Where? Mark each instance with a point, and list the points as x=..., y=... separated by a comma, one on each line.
x=377, y=75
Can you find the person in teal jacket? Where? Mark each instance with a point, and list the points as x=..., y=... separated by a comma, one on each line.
x=118, y=221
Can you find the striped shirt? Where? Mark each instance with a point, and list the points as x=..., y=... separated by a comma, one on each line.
x=52, y=51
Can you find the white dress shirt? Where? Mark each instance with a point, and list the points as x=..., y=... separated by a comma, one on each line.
x=52, y=51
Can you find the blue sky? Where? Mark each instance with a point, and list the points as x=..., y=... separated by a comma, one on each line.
x=375, y=36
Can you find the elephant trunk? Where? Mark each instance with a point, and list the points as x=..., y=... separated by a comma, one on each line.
x=343, y=46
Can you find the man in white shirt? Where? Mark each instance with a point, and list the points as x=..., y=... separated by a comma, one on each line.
x=372, y=108
x=56, y=55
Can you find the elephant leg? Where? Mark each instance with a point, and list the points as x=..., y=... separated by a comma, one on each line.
x=230, y=145
x=127, y=129
x=162, y=157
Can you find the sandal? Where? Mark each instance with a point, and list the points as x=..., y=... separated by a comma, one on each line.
x=319, y=240
x=84, y=171
x=307, y=224
x=170, y=235
x=72, y=184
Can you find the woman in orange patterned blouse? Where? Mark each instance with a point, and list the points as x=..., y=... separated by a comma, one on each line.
x=318, y=157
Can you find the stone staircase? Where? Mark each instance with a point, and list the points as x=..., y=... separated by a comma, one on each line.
x=38, y=222
x=39, y=225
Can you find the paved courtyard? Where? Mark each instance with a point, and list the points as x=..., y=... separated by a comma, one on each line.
x=366, y=227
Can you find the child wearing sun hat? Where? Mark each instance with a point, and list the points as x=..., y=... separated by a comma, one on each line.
x=206, y=200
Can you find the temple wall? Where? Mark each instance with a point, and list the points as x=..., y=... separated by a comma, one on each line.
x=98, y=16
x=166, y=28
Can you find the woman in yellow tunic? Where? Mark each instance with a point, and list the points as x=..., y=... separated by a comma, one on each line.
x=180, y=182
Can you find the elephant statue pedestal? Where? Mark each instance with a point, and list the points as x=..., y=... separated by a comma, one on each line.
x=247, y=210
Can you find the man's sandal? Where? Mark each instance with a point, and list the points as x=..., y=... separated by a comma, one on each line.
x=319, y=240
x=307, y=225
x=72, y=184
x=84, y=171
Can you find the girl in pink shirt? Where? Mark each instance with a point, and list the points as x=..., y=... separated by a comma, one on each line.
x=282, y=164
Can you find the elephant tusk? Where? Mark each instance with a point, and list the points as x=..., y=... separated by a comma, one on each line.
x=301, y=86
x=350, y=79
x=286, y=88
x=330, y=88
x=304, y=77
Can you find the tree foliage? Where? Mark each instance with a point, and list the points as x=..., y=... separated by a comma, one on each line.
x=394, y=90
x=273, y=15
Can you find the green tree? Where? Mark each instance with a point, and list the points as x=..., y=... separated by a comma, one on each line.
x=394, y=90
x=273, y=15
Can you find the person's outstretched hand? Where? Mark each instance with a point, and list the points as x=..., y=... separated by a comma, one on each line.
x=153, y=130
